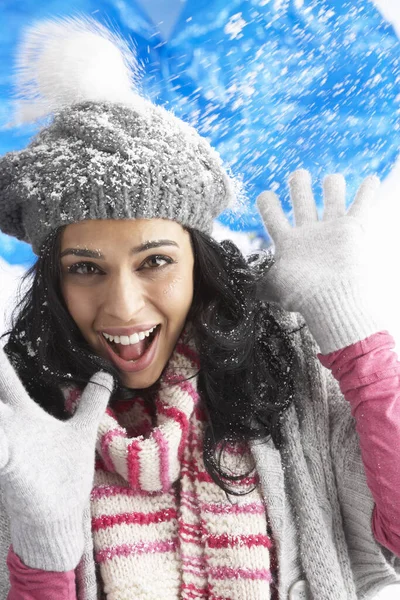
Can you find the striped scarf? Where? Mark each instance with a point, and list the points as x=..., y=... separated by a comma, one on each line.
x=161, y=527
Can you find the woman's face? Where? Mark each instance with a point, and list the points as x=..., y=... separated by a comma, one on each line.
x=128, y=285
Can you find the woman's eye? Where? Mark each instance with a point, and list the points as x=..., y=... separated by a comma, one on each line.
x=156, y=260
x=84, y=268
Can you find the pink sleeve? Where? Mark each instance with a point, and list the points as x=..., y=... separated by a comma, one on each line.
x=34, y=584
x=369, y=376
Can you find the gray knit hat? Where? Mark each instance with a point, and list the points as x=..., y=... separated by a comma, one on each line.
x=108, y=153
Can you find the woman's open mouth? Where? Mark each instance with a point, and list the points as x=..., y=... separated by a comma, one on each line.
x=134, y=353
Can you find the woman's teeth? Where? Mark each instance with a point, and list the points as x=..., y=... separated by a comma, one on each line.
x=127, y=340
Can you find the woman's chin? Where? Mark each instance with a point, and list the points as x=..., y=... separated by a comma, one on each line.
x=139, y=381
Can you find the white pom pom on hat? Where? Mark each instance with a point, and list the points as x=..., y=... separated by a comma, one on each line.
x=67, y=60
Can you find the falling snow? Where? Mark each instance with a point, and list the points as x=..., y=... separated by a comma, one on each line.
x=234, y=27
x=277, y=85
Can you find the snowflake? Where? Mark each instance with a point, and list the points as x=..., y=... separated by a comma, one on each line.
x=235, y=26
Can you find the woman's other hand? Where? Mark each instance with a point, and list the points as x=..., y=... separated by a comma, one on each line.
x=46, y=470
x=321, y=266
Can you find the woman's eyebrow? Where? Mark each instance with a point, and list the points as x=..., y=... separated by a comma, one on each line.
x=85, y=252
x=153, y=244
x=81, y=252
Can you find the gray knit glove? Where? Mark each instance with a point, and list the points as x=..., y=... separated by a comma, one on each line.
x=321, y=266
x=46, y=470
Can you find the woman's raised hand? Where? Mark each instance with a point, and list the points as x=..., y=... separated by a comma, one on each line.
x=321, y=266
x=46, y=470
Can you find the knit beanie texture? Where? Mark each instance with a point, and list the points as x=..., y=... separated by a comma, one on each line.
x=104, y=159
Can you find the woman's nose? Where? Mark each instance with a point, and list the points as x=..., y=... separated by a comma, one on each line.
x=124, y=299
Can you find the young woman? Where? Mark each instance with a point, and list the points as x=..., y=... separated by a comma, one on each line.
x=167, y=429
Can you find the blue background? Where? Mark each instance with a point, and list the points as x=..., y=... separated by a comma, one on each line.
x=274, y=84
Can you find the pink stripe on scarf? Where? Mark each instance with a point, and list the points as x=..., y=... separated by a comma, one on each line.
x=164, y=461
x=253, y=508
x=193, y=561
x=106, y=440
x=135, y=549
x=134, y=518
x=190, y=506
x=194, y=592
x=180, y=418
x=231, y=573
x=186, y=386
x=107, y=491
x=192, y=535
x=133, y=464
x=230, y=541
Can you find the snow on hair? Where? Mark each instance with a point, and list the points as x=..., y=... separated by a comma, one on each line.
x=63, y=61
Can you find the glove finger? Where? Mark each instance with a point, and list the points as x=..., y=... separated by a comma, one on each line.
x=93, y=403
x=304, y=207
x=272, y=214
x=365, y=197
x=12, y=391
x=334, y=197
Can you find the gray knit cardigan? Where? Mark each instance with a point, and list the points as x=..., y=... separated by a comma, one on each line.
x=315, y=491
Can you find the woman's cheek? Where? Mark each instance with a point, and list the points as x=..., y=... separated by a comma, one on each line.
x=171, y=288
x=81, y=306
x=179, y=290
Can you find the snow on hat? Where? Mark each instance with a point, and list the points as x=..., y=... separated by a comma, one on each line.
x=108, y=152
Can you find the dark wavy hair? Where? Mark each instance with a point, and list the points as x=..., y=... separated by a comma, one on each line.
x=246, y=356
